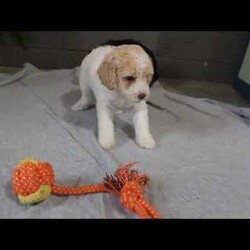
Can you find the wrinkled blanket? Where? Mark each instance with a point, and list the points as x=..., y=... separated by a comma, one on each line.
x=199, y=169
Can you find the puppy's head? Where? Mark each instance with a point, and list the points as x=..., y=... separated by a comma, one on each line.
x=128, y=70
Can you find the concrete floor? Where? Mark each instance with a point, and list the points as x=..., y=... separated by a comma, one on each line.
x=200, y=89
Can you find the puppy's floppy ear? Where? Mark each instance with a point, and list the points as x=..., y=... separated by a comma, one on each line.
x=108, y=74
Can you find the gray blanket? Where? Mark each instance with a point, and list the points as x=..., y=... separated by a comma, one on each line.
x=199, y=169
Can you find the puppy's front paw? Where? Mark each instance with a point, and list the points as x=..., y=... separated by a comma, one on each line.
x=107, y=142
x=146, y=142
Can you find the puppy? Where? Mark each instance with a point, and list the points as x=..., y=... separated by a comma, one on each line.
x=118, y=75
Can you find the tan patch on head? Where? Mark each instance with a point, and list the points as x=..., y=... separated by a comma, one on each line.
x=124, y=60
x=108, y=73
x=148, y=73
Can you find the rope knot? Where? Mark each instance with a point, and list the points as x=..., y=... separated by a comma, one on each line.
x=29, y=176
x=131, y=195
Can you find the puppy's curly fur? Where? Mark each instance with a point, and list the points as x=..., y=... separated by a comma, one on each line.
x=118, y=74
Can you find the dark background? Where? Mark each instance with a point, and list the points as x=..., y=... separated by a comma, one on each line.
x=198, y=55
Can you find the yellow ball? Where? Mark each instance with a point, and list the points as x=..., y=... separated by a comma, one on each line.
x=40, y=195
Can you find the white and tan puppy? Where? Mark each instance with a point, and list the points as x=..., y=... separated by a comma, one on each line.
x=118, y=77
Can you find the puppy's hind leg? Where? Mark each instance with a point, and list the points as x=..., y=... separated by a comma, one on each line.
x=86, y=99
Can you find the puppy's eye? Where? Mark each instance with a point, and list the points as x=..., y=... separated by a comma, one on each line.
x=129, y=78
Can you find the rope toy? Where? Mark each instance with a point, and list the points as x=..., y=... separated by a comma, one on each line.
x=34, y=181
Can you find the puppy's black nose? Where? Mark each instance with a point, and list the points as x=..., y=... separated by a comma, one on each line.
x=141, y=96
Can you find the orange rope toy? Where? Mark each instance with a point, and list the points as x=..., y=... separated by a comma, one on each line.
x=34, y=180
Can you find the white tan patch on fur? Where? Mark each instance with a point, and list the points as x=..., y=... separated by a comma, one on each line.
x=123, y=61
